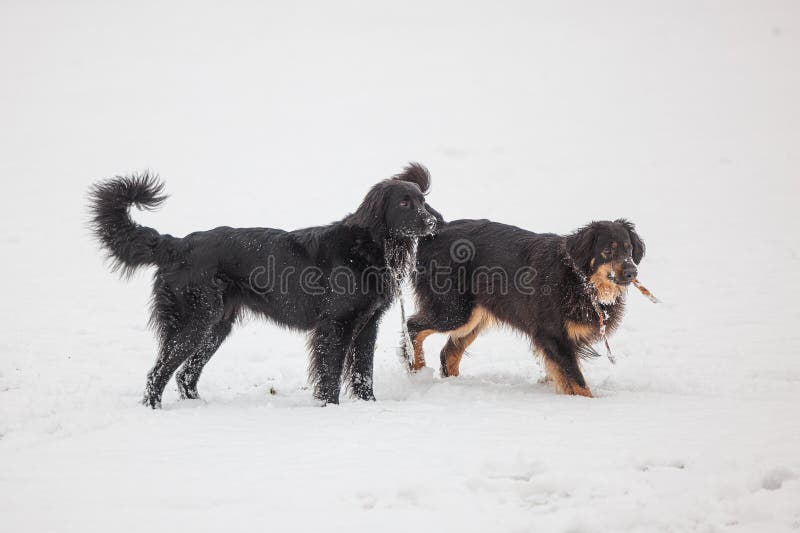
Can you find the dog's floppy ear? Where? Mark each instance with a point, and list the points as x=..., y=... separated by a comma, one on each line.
x=370, y=214
x=580, y=246
x=417, y=174
x=437, y=215
x=636, y=241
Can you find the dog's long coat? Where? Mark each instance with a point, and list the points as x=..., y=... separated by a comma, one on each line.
x=551, y=288
x=335, y=281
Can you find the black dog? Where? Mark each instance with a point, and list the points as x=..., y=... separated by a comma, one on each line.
x=335, y=281
x=562, y=292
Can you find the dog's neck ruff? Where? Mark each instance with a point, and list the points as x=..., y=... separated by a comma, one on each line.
x=590, y=291
x=400, y=255
x=400, y=260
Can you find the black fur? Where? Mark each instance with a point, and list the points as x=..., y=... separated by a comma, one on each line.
x=206, y=280
x=564, y=282
x=128, y=244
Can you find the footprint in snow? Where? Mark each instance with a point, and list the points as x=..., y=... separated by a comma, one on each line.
x=775, y=478
x=648, y=465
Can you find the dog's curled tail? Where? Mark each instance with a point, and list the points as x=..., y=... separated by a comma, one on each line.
x=128, y=244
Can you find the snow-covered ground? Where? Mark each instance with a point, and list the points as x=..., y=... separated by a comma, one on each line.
x=682, y=116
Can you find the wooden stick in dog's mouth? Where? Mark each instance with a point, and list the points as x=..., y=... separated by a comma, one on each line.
x=646, y=292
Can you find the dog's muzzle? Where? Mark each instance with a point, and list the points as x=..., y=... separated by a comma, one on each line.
x=626, y=275
x=629, y=271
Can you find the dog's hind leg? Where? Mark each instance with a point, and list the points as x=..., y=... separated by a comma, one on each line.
x=454, y=349
x=457, y=316
x=189, y=374
x=328, y=344
x=183, y=320
x=460, y=339
x=424, y=324
x=361, y=358
x=176, y=346
x=419, y=329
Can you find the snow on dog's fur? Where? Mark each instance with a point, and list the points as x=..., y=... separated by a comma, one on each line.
x=206, y=280
x=572, y=279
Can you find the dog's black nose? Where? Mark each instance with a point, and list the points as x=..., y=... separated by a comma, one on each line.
x=629, y=274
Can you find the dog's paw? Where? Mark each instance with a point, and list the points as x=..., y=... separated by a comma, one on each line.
x=188, y=394
x=416, y=366
x=367, y=396
x=151, y=402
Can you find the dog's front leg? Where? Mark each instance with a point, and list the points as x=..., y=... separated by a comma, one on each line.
x=328, y=343
x=361, y=357
x=561, y=365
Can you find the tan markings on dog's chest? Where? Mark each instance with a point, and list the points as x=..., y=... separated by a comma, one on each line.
x=607, y=291
x=580, y=331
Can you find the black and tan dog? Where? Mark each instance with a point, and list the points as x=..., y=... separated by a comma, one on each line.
x=562, y=292
x=333, y=281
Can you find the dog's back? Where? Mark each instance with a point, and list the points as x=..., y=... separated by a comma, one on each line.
x=482, y=242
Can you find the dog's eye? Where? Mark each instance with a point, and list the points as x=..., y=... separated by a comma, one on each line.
x=607, y=251
x=405, y=204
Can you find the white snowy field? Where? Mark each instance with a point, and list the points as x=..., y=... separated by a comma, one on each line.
x=683, y=116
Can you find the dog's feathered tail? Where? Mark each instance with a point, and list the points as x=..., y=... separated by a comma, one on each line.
x=128, y=244
x=417, y=174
